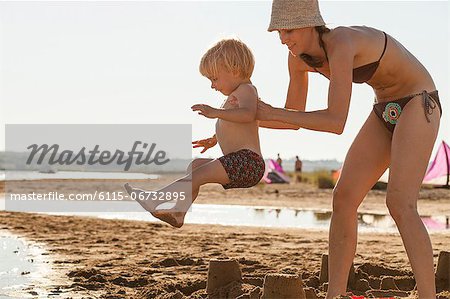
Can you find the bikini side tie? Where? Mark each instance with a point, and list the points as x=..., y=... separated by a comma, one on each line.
x=429, y=104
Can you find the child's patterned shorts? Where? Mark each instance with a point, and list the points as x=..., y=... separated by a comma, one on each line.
x=244, y=168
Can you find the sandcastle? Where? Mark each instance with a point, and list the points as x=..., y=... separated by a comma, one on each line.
x=443, y=269
x=226, y=274
x=222, y=272
x=283, y=286
x=225, y=281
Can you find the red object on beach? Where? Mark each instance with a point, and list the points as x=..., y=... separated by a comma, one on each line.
x=362, y=297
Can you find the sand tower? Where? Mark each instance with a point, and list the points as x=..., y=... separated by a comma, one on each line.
x=283, y=286
x=222, y=273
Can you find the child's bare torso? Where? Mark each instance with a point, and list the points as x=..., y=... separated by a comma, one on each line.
x=234, y=136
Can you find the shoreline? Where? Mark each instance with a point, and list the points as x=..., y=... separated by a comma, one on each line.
x=28, y=266
x=264, y=217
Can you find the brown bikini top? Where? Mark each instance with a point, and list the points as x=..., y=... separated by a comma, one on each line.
x=363, y=73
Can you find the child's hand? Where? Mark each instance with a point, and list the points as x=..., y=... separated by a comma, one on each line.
x=205, y=143
x=205, y=110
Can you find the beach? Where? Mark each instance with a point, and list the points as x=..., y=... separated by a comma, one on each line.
x=99, y=94
x=104, y=258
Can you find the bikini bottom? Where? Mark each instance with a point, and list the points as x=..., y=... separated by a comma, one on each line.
x=389, y=112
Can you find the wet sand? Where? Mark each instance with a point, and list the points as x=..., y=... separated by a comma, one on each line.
x=129, y=259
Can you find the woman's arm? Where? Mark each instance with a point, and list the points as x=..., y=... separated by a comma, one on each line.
x=246, y=111
x=333, y=118
x=296, y=96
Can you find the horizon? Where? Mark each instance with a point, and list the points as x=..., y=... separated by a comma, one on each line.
x=114, y=62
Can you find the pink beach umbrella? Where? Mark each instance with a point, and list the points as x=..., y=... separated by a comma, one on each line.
x=440, y=167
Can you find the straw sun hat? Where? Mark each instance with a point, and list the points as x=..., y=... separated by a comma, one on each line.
x=292, y=14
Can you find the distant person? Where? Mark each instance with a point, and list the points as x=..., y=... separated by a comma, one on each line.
x=229, y=65
x=298, y=169
x=279, y=161
x=399, y=132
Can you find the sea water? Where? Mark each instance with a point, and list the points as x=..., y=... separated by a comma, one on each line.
x=266, y=216
x=22, y=267
x=261, y=216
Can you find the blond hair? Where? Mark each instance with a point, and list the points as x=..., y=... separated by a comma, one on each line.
x=232, y=55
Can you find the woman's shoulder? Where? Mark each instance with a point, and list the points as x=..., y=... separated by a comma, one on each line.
x=352, y=39
x=353, y=30
x=340, y=43
x=340, y=36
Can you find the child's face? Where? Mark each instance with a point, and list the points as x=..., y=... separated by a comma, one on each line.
x=225, y=82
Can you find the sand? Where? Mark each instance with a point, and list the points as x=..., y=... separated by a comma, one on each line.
x=128, y=259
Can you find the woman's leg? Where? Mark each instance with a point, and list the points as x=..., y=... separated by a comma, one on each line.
x=412, y=144
x=366, y=161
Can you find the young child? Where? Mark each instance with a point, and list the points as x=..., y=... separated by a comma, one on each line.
x=228, y=65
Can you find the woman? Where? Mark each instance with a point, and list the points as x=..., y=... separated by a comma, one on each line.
x=399, y=133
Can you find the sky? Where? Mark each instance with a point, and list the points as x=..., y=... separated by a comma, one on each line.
x=137, y=63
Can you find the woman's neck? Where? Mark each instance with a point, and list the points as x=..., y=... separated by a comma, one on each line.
x=316, y=55
x=319, y=45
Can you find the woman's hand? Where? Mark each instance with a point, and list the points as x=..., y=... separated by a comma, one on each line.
x=233, y=101
x=205, y=143
x=264, y=112
x=205, y=110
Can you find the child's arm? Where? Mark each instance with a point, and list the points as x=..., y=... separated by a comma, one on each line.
x=246, y=112
x=247, y=102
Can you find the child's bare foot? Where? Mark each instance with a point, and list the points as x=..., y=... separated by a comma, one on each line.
x=171, y=216
x=176, y=219
x=142, y=197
